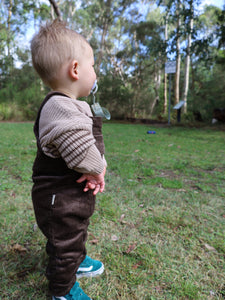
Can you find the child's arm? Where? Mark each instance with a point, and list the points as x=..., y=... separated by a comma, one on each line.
x=66, y=131
x=95, y=182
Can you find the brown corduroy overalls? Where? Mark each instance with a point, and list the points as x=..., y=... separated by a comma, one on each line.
x=62, y=211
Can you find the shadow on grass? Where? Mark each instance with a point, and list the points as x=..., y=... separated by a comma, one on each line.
x=22, y=272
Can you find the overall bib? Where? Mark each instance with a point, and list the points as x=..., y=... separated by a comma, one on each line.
x=62, y=211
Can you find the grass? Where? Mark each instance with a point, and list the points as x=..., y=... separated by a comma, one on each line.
x=158, y=227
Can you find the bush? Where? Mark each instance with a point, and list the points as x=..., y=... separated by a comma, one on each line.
x=21, y=95
x=10, y=112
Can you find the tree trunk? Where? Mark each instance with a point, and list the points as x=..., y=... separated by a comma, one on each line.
x=104, y=32
x=187, y=62
x=157, y=80
x=192, y=76
x=165, y=74
x=165, y=94
x=9, y=29
x=56, y=9
x=177, y=75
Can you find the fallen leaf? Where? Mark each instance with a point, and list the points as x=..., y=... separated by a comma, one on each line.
x=131, y=225
x=138, y=264
x=19, y=248
x=35, y=227
x=94, y=242
x=114, y=238
x=122, y=217
x=158, y=288
x=131, y=247
x=212, y=293
x=13, y=195
x=210, y=248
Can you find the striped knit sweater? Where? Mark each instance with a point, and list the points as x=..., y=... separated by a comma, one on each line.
x=65, y=130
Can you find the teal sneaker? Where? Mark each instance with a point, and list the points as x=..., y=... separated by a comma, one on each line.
x=90, y=268
x=76, y=293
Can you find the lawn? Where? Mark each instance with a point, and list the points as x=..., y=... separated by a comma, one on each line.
x=159, y=226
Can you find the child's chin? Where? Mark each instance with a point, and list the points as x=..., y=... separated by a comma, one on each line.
x=85, y=95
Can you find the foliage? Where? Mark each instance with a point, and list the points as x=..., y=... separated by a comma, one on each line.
x=20, y=99
x=158, y=227
x=130, y=51
x=208, y=86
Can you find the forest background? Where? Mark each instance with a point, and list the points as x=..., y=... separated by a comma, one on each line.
x=132, y=41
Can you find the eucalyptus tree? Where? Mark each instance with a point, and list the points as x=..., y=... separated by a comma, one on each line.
x=166, y=5
x=221, y=28
x=173, y=17
x=165, y=74
x=208, y=60
x=16, y=17
x=157, y=50
x=190, y=22
x=181, y=15
x=18, y=84
x=115, y=50
x=142, y=57
x=178, y=28
x=7, y=35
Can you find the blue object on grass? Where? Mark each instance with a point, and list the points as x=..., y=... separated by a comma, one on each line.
x=151, y=132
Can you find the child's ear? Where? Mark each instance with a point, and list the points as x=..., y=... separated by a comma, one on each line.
x=73, y=70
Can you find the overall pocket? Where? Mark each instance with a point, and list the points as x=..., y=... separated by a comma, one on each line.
x=71, y=210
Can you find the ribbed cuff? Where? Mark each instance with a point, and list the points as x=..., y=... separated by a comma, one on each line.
x=92, y=163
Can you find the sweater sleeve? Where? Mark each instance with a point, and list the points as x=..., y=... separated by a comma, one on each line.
x=65, y=130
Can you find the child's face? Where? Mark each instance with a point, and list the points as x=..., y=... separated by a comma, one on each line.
x=86, y=72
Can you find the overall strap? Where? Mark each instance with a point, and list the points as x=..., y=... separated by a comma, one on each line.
x=49, y=95
x=36, y=124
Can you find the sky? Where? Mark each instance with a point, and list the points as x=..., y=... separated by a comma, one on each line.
x=219, y=3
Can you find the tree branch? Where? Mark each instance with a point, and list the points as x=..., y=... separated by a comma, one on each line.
x=56, y=9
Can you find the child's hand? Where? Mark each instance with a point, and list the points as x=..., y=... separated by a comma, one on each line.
x=95, y=182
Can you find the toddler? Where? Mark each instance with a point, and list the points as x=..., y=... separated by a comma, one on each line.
x=69, y=168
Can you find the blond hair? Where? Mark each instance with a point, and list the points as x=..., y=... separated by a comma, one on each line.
x=54, y=45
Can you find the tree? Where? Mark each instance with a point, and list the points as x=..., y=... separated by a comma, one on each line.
x=130, y=46
x=221, y=28
x=178, y=29
x=150, y=52
x=188, y=54
x=165, y=74
x=207, y=62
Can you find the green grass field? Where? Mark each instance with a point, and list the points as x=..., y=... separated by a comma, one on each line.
x=159, y=226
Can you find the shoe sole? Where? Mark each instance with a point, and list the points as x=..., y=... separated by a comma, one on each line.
x=91, y=274
x=61, y=298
